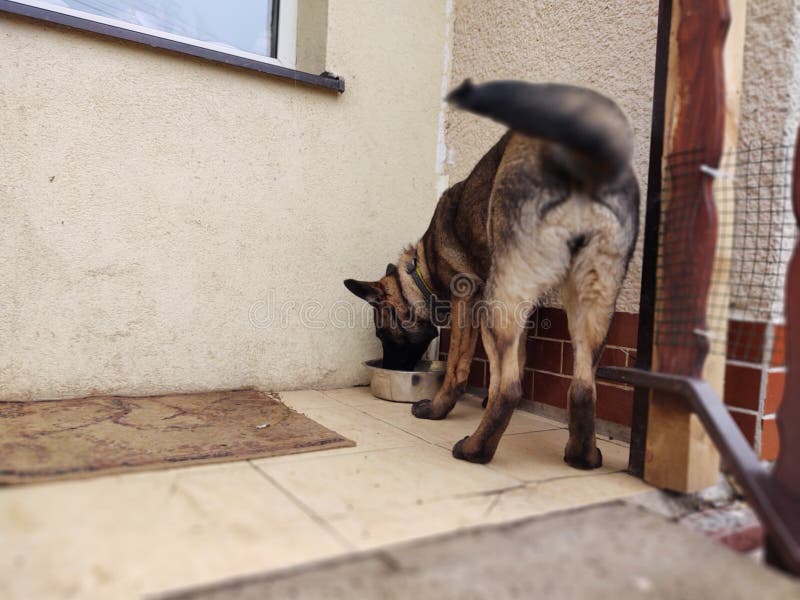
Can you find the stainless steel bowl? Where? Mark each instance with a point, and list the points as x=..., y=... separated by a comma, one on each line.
x=407, y=386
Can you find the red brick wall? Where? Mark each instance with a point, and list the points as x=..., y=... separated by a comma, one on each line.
x=548, y=369
x=755, y=373
x=753, y=385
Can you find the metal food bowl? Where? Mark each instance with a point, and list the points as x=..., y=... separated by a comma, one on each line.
x=406, y=386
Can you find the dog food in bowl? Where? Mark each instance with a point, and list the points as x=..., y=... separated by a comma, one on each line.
x=406, y=386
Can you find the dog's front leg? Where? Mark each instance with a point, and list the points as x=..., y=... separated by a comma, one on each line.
x=463, y=337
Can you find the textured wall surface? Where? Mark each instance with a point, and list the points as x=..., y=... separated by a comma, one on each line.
x=154, y=206
x=608, y=46
x=151, y=202
x=765, y=225
x=771, y=82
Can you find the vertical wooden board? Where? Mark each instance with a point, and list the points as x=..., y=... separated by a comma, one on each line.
x=723, y=191
x=668, y=429
x=667, y=443
x=680, y=455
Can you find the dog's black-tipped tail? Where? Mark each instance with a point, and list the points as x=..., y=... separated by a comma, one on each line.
x=596, y=137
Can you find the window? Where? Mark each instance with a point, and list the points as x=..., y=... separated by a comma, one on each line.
x=259, y=35
x=258, y=30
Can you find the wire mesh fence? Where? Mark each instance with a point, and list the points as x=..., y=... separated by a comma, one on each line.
x=756, y=232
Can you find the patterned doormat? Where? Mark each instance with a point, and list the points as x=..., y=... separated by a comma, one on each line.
x=85, y=437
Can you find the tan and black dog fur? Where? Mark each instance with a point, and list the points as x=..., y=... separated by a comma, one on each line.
x=553, y=205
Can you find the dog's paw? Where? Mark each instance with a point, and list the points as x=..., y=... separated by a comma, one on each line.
x=593, y=461
x=460, y=453
x=424, y=410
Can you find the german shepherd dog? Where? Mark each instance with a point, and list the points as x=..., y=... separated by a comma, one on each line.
x=553, y=205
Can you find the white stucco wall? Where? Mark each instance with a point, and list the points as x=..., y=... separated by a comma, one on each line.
x=608, y=46
x=150, y=201
x=153, y=204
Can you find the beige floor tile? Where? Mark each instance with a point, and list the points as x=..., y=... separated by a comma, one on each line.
x=524, y=421
x=540, y=455
x=340, y=484
x=614, y=441
x=121, y=536
x=392, y=524
x=366, y=431
x=305, y=399
x=461, y=422
x=353, y=396
x=562, y=494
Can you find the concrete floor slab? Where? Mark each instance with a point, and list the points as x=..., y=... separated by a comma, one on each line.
x=606, y=552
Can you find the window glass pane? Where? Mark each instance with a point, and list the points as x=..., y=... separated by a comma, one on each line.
x=245, y=25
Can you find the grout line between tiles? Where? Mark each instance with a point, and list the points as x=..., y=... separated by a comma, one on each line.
x=533, y=431
x=555, y=426
x=496, y=493
x=535, y=483
x=385, y=422
x=321, y=455
x=447, y=446
x=615, y=441
x=359, y=409
x=564, y=477
x=319, y=520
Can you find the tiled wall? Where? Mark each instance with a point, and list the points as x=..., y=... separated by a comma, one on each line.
x=753, y=386
x=755, y=373
x=548, y=370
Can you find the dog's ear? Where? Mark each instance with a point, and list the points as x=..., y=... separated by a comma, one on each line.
x=371, y=291
x=391, y=269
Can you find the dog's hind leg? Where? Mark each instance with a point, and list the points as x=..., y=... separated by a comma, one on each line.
x=589, y=295
x=503, y=331
x=464, y=336
x=501, y=342
x=523, y=272
x=521, y=355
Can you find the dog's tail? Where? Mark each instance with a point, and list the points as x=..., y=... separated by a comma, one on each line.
x=594, y=133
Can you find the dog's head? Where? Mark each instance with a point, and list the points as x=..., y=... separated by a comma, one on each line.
x=404, y=335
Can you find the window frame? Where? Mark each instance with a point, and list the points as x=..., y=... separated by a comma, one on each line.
x=282, y=66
